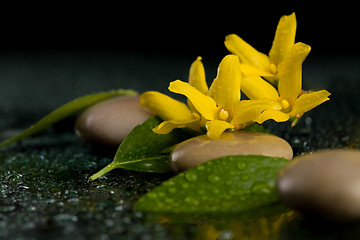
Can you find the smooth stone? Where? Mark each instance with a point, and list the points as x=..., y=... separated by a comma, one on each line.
x=201, y=149
x=325, y=183
x=110, y=121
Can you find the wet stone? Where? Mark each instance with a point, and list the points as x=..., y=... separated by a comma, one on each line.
x=202, y=149
x=324, y=183
x=110, y=121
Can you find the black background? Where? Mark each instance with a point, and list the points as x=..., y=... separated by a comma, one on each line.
x=176, y=28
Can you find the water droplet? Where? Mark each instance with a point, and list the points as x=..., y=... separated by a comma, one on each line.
x=185, y=185
x=147, y=164
x=241, y=166
x=243, y=198
x=169, y=183
x=215, y=191
x=228, y=182
x=7, y=208
x=31, y=208
x=213, y=178
x=192, y=201
x=50, y=201
x=119, y=208
x=152, y=195
x=109, y=222
x=191, y=176
x=22, y=187
x=233, y=173
x=200, y=167
x=169, y=200
x=73, y=200
x=245, y=177
x=261, y=188
x=201, y=191
x=172, y=190
x=65, y=217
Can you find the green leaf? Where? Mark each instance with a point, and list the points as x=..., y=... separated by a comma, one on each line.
x=66, y=111
x=231, y=184
x=255, y=127
x=142, y=149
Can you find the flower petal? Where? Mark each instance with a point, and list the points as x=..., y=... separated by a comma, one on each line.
x=308, y=101
x=249, y=70
x=284, y=39
x=167, y=126
x=165, y=107
x=290, y=72
x=197, y=76
x=205, y=105
x=247, y=53
x=276, y=115
x=225, y=89
x=249, y=110
x=254, y=87
x=216, y=127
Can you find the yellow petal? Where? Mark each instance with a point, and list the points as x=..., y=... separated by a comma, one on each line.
x=216, y=127
x=284, y=39
x=197, y=76
x=205, y=105
x=167, y=126
x=247, y=53
x=197, y=79
x=165, y=107
x=254, y=87
x=249, y=110
x=225, y=89
x=249, y=70
x=308, y=101
x=276, y=115
x=290, y=72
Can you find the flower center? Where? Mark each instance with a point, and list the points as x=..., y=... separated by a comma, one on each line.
x=285, y=104
x=273, y=68
x=196, y=115
x=223, y=114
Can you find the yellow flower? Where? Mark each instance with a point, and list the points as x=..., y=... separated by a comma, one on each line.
x=288, y=101
x=283, y=67
x=257, y=63
x=214, y=107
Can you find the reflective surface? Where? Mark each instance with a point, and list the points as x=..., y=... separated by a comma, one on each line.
x=43, y=180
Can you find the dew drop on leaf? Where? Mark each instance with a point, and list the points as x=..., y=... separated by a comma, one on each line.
x=169, y=200
x=192, y=201
x=241, y=166
x=213, y=178
x=152, y=195
x=216, y=191
x=185, y=185
x=172, y=190
x=261, y=188
x=191, y=176
x=245, y=177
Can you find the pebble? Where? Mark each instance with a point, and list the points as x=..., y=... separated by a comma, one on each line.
x=325, y=183
x=202, y=149
x=110, y=121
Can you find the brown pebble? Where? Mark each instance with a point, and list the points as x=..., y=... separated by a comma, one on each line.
x=324, y=183
x=202, y=149
x=110, y=121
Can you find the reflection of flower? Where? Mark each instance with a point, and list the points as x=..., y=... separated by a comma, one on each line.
x=215, y=108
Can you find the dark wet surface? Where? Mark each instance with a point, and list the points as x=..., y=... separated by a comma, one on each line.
x=43, y=180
